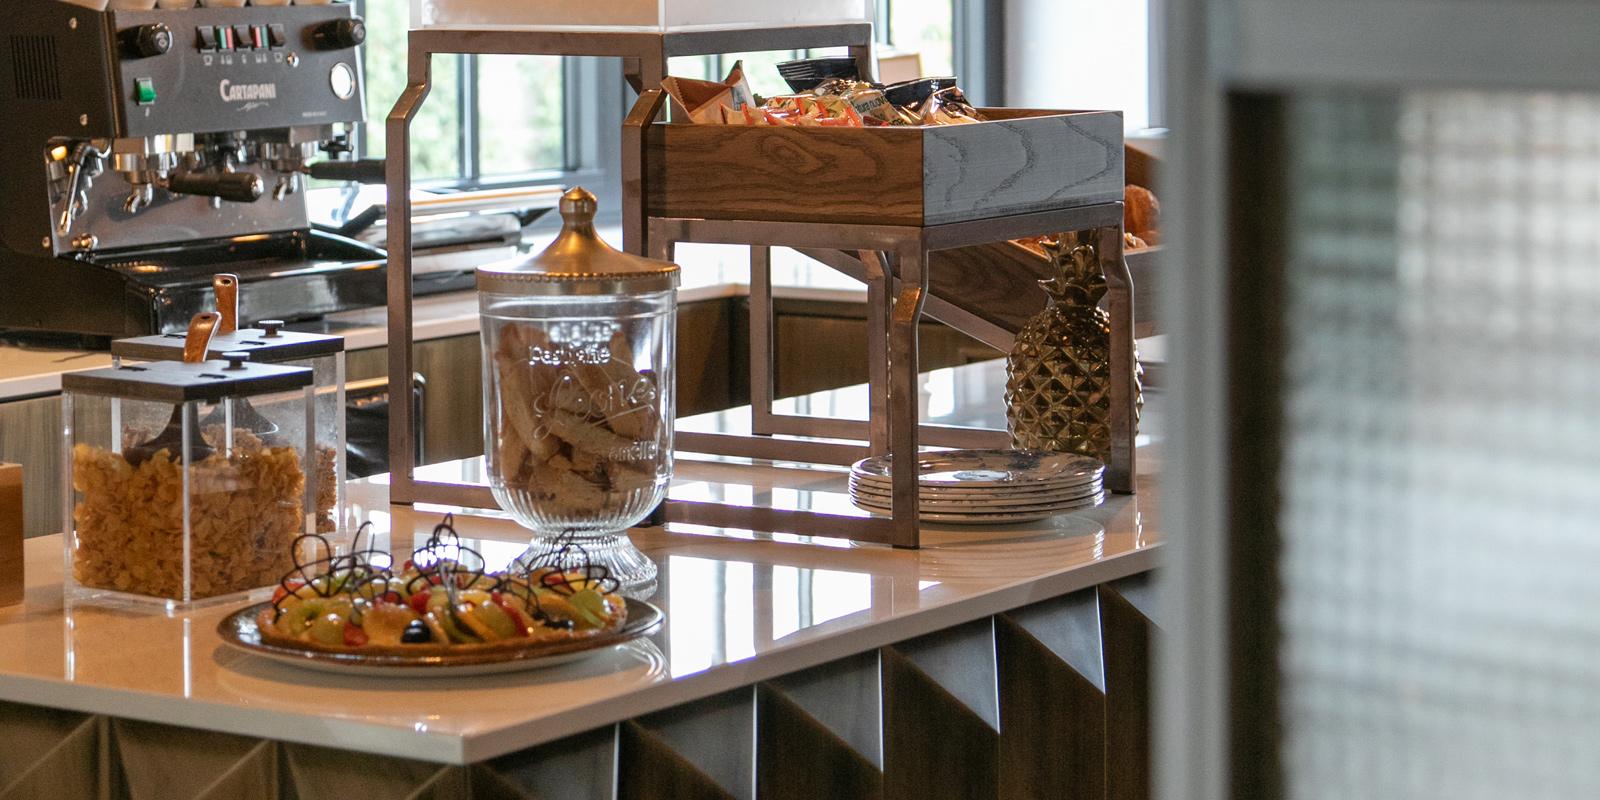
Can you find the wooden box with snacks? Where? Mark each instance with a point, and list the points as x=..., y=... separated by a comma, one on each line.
x=1018, y=161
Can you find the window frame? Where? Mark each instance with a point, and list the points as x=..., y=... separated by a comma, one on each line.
x=578, y=163
x=595, y=102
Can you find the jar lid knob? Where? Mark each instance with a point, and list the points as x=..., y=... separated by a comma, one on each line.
x=578, y=206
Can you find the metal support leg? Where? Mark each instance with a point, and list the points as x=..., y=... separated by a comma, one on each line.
x=663, y=240
x=1124, y=415
x=879, y=282
x=761, y=341
x=862, y=53
x=648, y=69
x=903, y=399
x=397, y=177
x=634, y=189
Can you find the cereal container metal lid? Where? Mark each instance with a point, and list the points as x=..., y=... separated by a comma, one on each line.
x=579, y=262
x=267, y=343
x=177, y=382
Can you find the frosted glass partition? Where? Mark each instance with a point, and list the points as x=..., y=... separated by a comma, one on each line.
x=635, y=15
x=1440, y=480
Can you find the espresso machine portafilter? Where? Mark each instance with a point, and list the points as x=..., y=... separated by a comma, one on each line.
x=144, y=151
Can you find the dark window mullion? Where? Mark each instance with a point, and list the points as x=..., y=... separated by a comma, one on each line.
x=467, y=109
x=359, y=135
x=572, y=92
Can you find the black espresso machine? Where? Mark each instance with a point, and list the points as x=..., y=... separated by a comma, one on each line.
x=142, y=152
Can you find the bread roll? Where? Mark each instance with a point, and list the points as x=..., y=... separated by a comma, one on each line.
x=1140, y=211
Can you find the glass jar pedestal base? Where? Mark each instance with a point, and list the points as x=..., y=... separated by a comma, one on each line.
x=631, y=568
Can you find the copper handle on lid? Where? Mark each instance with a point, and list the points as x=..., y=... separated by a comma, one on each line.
x=198, y=341
x=226, y=287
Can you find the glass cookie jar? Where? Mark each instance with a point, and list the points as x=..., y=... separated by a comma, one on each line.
x=175, y=494
x=579, y=390
x=269, y=343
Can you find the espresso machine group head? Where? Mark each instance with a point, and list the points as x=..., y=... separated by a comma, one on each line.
x=143, y=151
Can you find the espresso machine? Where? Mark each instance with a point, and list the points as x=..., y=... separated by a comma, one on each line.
x=143, y=151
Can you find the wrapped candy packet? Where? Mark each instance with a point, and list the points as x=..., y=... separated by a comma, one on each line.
x=913, y=93
x=868, y=101
x=804, y=74
x=948, y=106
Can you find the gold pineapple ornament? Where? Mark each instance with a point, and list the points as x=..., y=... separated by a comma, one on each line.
x=1058, y=375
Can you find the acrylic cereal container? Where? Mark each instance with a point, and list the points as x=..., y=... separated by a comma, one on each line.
x=186, y=482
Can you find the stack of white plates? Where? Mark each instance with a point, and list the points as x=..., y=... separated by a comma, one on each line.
x=986, y=486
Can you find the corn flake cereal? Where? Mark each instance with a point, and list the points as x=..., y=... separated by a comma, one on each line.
x=246, y=512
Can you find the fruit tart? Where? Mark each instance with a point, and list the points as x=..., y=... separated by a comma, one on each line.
x=440, y=600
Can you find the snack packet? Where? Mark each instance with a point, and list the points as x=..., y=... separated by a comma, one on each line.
x=948, y=107
x=804, y=74
x=704, y=99
x=867, y=100
x=913, y=93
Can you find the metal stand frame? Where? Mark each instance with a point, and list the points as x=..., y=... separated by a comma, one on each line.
x=644, y=57
x=892, y=260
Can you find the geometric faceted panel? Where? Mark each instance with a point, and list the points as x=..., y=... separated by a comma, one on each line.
x=161, y=762
x=934, y=745
x=575, y=768
x=844, y=696
x=649, y=769
x=66, y=764
x=961, y=660
x=1125, y=635
x=715, y=735
x=30, y=734
x=320, y=773
x=799, y=758
x=1052, y=714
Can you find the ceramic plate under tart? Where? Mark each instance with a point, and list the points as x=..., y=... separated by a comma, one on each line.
x=241, y=630
x=973, y=468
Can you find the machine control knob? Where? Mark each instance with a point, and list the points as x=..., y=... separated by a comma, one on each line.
x=339, y=34
x=145, y=41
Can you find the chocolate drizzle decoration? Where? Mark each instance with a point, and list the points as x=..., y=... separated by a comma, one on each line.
x=444, y=561
x=563, y=567
x=356, y=573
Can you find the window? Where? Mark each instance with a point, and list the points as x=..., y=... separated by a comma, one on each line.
x=925, y=27
x=922, y=27
x=517, y=119
x=488, y=119
x=1080, y=54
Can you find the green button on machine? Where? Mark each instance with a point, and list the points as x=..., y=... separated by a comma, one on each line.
x=144, y=91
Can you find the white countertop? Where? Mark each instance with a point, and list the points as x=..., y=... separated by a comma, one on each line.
x=741, y=607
